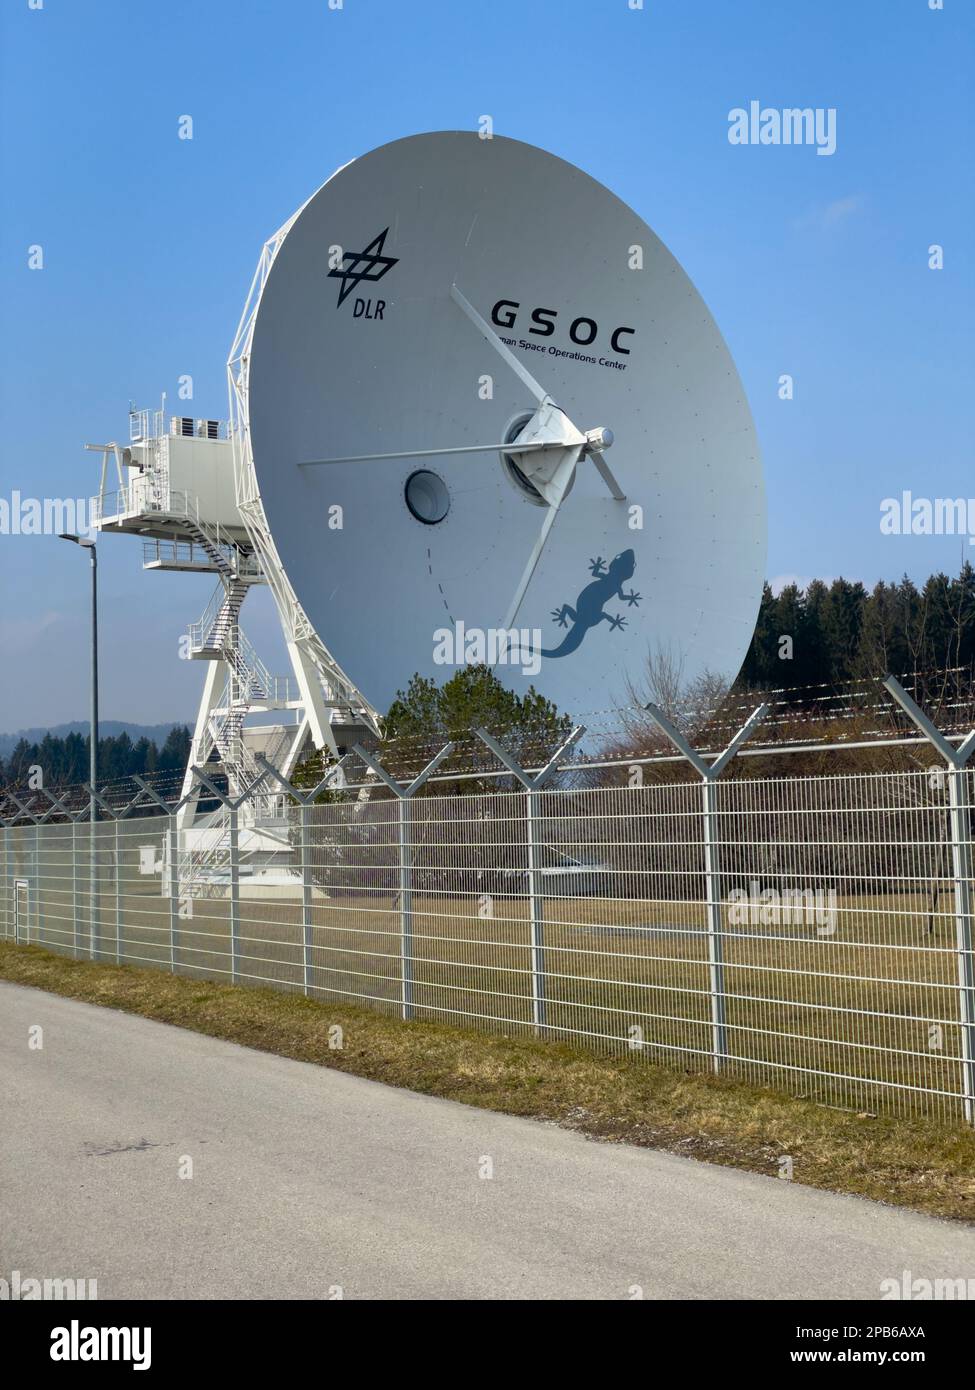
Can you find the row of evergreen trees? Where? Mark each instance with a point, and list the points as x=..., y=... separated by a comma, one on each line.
x=840, y=631
x=64, y=761
x=824, y=634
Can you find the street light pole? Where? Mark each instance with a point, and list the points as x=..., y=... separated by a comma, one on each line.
x=93, y=733
x=93, y=750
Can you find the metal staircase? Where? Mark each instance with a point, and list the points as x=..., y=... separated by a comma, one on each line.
x=215, y=634
x=218, y=637
x=200, y=870
x=204, y=858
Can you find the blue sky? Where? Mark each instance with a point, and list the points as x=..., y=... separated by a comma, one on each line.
x=813, y=266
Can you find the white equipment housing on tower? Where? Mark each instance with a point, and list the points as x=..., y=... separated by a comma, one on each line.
x=173, y=485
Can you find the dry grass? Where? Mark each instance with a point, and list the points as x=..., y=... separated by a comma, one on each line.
x=907, y=1162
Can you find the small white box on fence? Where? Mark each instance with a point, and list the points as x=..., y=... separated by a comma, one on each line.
x=148, y=861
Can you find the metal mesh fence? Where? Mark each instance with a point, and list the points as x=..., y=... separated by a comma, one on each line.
x=810, y=933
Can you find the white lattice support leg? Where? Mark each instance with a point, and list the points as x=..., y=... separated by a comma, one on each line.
x=216, y=678
x=310, y=686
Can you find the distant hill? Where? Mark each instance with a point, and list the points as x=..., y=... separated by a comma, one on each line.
x=107, y=728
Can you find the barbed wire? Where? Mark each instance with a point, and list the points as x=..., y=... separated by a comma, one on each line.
x=795, y=715
x=829, y=717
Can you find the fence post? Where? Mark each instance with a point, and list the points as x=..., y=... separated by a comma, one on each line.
x=234, y=894
x=171, y=840
x=34, y=905
x=94, y=923
x=171, y=849
x=11, y=878
x=118, y=901
x=35, y=888
x=406, y=906
x=536, y=899
x=709, y=774
x=305, y=802
x=9, y=825
x=961, y=846
x=34, y=874
x=174, y=892
x=712, y=878
x=959, y=804
x=74, y=887
x=10, y=892
x=403, y=792
x=304, y=830
x=10, y=875
x=537, y=911
x=96, y=799
x=233, y=806
x=6, y=877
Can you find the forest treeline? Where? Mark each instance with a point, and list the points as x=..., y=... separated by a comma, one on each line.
x=826, y=634
x=64, y=761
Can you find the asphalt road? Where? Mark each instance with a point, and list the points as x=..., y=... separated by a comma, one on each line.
x=306, y=1181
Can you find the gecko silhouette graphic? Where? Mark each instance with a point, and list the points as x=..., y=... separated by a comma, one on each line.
x=588, y=612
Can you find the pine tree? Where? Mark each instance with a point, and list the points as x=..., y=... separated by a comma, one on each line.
x=176, y=750
x=426, y=716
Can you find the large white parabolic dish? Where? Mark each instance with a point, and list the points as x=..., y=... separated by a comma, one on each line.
x=371, y=353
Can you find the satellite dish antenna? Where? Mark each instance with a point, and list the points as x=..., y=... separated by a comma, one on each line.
x=476, y=393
